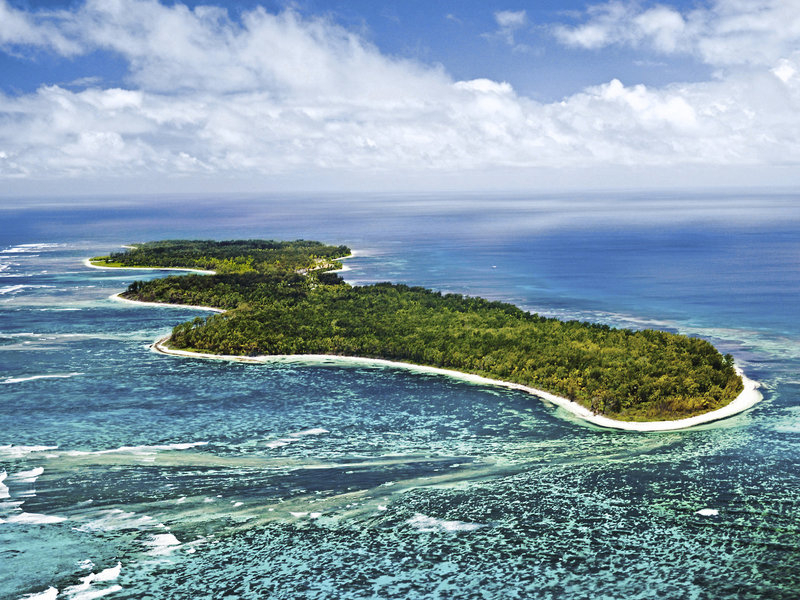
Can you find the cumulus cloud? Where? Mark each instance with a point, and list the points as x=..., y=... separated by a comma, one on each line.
x=727, y=32
x=618, y=23
x=270, y=94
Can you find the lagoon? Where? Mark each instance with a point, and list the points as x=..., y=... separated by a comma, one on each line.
x=305, y=481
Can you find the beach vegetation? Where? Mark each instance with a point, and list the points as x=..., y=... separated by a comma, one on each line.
x=281, y=304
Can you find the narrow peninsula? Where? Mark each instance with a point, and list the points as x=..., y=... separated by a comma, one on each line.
x=284, y=298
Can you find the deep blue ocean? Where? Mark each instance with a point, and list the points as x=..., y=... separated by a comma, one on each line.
x=128, y=474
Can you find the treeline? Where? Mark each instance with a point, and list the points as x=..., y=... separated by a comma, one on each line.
x=628, y=375
x=229, y=290
x=234, y=256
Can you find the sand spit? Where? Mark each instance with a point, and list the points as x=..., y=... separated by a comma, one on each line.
x=119, y=298
x=88, y=263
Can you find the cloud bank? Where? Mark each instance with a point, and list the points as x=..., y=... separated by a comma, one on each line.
x=267, y=94
x=726, y=33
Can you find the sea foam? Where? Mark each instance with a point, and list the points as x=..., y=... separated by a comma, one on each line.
x=12, y=451
x=280, y=443
x=314, y=431
x=49, y=594
x=294, y=437
x=12, y=288
x=138, y=450
x=28, y=248
x=28, y=476
x=109, y=574
x=34, y=519
x=162, y=543
x=21, y=484
x=34, y=377
x=86, y=590
x=428, y=524
x=116, y=519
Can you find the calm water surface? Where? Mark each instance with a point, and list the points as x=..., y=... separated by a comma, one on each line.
x=126, y=474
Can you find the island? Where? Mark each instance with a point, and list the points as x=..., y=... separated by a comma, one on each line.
x=285, y=299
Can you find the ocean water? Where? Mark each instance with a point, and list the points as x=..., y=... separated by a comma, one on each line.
x=127, y=474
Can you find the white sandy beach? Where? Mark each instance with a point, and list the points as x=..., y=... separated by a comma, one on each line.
x=88, y=263
x=345, y=267
x=745, y=400
x=749, y=396
x=163, y=304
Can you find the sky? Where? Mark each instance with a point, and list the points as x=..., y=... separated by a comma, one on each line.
x=104, y=96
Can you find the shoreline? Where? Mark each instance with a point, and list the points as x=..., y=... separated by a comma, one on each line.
x=745, y=400
x=87, y=263
x=344, y=268
x=119, y=298
x=748, y=398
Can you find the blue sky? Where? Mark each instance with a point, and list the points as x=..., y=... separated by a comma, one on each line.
x=316, y=94
x=464, y=37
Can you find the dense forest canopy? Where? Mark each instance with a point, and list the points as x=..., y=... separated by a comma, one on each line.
x=291, y=304
x=235, y=256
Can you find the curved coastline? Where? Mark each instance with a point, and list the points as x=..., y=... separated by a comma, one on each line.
x=345, y=267
x=745, y=400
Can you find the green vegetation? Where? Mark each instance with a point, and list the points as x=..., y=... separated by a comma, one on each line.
x=239, y=256
x=105, y=261
x=280, y=306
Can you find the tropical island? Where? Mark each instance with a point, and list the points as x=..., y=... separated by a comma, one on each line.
x=283, y=298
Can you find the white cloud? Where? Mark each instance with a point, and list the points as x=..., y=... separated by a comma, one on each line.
x=508, y=22
x=665, y=27
x=19, y=28
x=511, y=19
x=727, y=32
x=784, y=71
x=278, y=94
x=604, y=27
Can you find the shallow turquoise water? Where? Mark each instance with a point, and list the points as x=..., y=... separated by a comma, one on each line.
x=135, y=475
